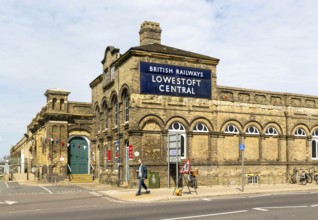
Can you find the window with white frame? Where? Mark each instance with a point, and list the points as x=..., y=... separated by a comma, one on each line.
x=252, y=130
x=300, y=132
x=177, y=127
x=200, y=127
x=314, y=148
x=252, y=179
x=115, y=111
x=271, y=131
x=126, y=110
x=231, y=129
x=314, y=145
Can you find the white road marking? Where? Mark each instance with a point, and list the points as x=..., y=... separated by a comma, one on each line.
x=21, y=211
x=95, y=194
x=7, y=185
x=260, y=209
x=38, y=210
x=46, y=189
x=207, y=215
x=314, y=205
x=8, y=202
x=259, y=196
x=279, y=207
x=206, y=199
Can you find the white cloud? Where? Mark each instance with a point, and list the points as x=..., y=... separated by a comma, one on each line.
x=263, y=45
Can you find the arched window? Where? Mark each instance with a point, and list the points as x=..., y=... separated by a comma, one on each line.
x=231, y=129
x=106, y=115
x=62, y=104
x=54, y=103
x=98, y=119
x=300, y=132
x=115, y=111
x=271, y=131
x=252, y=130
x=178, y=128
x=200, y=127
x=314, y=145
x=126, y=106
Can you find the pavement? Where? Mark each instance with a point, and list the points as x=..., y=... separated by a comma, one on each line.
x=166, y=194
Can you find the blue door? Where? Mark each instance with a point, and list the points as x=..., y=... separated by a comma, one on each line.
x=78, y=155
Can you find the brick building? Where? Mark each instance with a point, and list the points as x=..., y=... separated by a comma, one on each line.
x=58, y=136
x=152, y=92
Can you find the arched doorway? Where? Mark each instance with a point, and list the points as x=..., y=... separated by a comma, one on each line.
x=78, y=155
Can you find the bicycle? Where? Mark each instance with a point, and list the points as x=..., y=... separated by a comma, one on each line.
x=316, y=177
x=310, y=175
x=301, y=178
x=192, y=180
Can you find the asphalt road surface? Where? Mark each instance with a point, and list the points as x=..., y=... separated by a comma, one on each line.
x=74, y=202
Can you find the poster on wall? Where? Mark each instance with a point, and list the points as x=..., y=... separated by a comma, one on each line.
x=163, y=79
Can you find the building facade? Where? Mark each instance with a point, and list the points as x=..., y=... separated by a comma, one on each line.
x=155, y=102
x=153, y=91
x=57, y=141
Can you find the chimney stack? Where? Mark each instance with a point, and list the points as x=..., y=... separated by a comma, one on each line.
x=150, y=33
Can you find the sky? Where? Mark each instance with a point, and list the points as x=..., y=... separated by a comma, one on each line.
x=266, y=45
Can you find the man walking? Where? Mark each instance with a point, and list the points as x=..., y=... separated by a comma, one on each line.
x=142, y=175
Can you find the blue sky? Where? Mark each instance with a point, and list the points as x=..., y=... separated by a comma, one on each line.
x=266, y=45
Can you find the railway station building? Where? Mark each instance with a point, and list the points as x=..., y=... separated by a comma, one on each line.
x=151, y=92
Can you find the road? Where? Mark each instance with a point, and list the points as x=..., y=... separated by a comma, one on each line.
x=75, y=202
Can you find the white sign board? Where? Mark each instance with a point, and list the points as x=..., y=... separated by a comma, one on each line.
x=174, y=146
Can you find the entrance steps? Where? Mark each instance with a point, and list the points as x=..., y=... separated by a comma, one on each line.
x=81, y=178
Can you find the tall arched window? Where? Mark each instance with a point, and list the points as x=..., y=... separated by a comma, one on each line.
x=105, y=107
x=98, y=119
x=126, y=106
x=314, y=145
x=54, y=103
x=115, y=111
x=62, y=104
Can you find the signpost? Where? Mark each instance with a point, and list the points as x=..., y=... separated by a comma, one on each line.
x=242, y=147
x=173, y=153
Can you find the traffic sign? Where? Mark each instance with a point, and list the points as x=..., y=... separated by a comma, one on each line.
x=242, y=146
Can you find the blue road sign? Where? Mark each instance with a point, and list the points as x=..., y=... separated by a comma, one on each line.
x=242, y=146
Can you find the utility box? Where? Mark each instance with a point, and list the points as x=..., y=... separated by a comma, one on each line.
x=154, y=180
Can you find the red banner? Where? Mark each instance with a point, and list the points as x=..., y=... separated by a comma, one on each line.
x=130, y=152
x=109, y=155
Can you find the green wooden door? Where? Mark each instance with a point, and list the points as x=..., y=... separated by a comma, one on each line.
x=78, y=155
